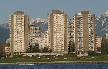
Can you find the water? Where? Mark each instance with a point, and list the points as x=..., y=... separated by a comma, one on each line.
x=55, y=66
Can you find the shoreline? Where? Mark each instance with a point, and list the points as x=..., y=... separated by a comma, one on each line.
x=59, y=62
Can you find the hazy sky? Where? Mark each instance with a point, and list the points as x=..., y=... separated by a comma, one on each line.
x=40, y=8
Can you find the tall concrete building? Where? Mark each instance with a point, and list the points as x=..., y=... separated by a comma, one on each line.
x=58, y=31
x=83, y=32
x=18, y=32
x=34, y=32
x=71, y=32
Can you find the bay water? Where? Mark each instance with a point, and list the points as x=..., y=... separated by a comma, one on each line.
x=54, y=66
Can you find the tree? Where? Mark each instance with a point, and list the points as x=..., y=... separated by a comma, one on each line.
x=71, y=46
x=28, y=50
x=104, y=43
x=98, y=49
x=91, y=53
x=33, y=48
x=50, y=50
x=104, y=46
x=36, y=48
x=104, y=51
x=45, y=49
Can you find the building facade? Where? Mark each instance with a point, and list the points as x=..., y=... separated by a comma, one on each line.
x=83, y=28
x=71, y=36
x=18, y=32
x=34, y=32
x=98, y=41
x=58, y=31
x=45, y=40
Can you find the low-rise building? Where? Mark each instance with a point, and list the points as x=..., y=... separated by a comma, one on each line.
x=36, y=37
x=43, y=40
x=98, y=41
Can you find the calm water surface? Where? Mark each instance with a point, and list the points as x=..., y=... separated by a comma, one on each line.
x=55, y=66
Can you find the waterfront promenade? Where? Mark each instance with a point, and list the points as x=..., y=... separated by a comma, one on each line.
x=60, y=62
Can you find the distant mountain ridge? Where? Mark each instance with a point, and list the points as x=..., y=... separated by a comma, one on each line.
x=4, y=32
x=102, y=24
x=4, y=25
x=37, y=20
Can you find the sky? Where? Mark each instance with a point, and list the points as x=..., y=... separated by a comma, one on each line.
x=40, y=8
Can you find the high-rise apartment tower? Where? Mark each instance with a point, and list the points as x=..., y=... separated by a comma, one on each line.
x=18, y=32
x=83, y=32
x=58, y=31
